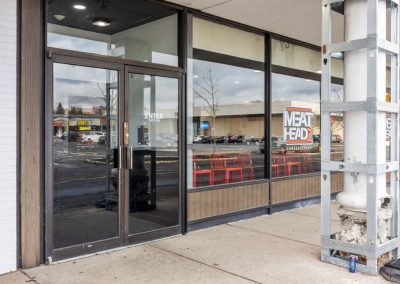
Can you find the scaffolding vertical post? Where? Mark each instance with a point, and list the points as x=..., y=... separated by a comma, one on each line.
x=374, y=168
x=326, y=127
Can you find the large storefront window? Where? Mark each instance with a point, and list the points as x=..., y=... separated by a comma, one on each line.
x=295, y=126
x=227, y=124
x=225, y=105
x=138, y=29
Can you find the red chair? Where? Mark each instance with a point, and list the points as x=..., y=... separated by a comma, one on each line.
x=278, y=162
x=247, y=164
x=218, y=166
x=293, y=163
x=307, y=162
x=275, y=170
x=234, y=169
x=202, y=167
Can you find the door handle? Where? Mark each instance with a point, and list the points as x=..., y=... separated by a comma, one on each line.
x=121, y=157
x=130, y=158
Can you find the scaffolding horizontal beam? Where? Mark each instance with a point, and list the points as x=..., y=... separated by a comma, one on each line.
x=345, y=263
x=339, y=166
x=366, y=250
x=388, y=46
x=370, y=42
x=368, y=106
x=387, y=246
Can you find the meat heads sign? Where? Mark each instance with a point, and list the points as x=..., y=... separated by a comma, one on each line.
x=297, y=128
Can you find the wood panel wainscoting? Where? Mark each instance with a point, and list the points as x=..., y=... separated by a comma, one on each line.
x=288, y=190
x=208, y=203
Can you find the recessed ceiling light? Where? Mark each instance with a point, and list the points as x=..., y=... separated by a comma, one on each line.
x=59, y=17
x=101, y=22
x=236, y=82
x=319, y=71
x=195, y=76
x=257, y=71
x=79, y=7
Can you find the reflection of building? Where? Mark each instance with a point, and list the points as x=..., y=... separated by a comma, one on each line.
x=236, y=119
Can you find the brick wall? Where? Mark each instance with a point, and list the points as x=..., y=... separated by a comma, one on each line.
x=8, y=135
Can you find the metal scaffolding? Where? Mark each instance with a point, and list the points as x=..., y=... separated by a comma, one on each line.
x=373, y=107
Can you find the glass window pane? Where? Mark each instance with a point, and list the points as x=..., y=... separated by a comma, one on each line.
x=225, y=124
x=138, y=29
x=153, y=137
x=223, y=39
x=85, y=132
x=295, y=126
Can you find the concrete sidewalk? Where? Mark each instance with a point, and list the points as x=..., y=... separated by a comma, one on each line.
x=281, y=248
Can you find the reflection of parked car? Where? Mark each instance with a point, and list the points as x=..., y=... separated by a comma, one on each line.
x=336, y=138
x=206, y=139
x=217, y=139
x=198, y=139
x=102, y=140
x=93, y=136
x=278, y=144
x=72, y=136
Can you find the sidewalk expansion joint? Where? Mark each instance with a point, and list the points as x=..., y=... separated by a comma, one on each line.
x=31, y=279
x=306, y=215
x=272, y=235
x=205, y=264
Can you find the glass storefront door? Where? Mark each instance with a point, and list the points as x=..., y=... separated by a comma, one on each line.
x=112, y=148
x=152, y=141
x=84, y=139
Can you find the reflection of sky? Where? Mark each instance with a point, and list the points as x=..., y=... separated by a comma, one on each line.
x=80, y=82
x=287, y=88
x=75, y=43
x=234, y=85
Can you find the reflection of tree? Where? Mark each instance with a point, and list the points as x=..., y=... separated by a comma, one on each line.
x=105, y=91
x=207, y=91
x=75, y=110
x=336, y=118
x=60, y=109
x=110, y=99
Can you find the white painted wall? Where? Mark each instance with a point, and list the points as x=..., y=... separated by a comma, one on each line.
x=8, y=135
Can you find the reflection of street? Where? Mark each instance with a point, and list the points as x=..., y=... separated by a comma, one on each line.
x=82, y=181
x=80, y=173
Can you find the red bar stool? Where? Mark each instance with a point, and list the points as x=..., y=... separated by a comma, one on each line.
x=278, y=162
x=246, y=162
x=275, y=170
x=292, y=164
x=218, y=166
x=233, y=169
x=307, y=162
x=200, y=168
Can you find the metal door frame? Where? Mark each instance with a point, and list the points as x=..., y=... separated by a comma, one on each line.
x=124, y=67
x=52, y=253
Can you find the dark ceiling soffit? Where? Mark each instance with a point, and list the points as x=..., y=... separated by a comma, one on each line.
x=122, y=17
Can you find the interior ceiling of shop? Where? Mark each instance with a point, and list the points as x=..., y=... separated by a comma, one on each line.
x=298, y=19
x=123, y=14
